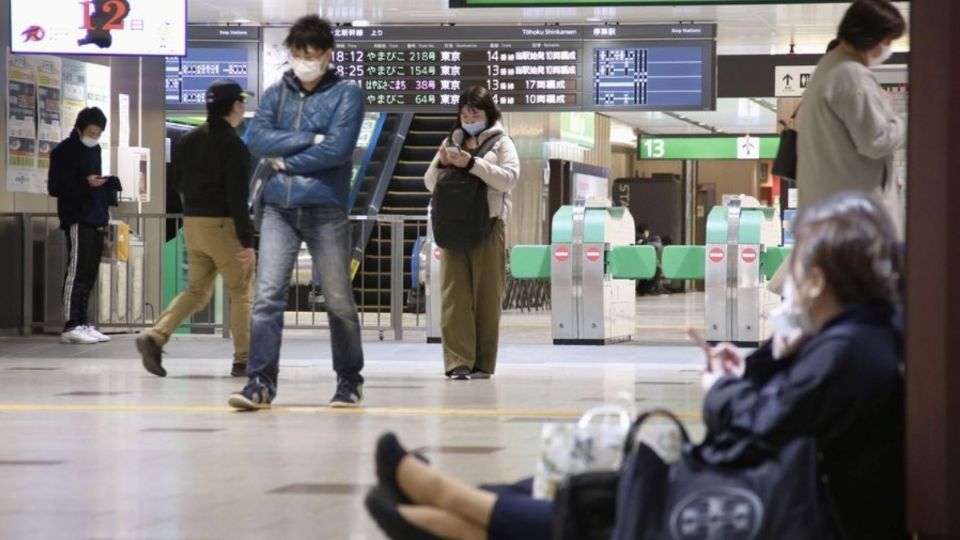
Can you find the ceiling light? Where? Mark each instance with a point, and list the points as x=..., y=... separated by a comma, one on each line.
x=360, y=23
x=593, y=19
x=242, y=21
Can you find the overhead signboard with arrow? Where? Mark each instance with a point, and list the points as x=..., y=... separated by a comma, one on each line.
x=791, y=81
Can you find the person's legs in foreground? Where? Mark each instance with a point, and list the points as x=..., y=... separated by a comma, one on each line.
x=279, y=245
x=415, y=500
x=489, y=279
x=326, y=231
x=84, y=249
x=201, y=272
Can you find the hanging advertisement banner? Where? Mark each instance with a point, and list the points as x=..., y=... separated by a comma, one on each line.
x=22, y=173
x=74, y=94
x=49, y=100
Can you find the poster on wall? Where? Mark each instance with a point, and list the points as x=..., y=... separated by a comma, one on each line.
x=44, y=96
x=22, y=172
x=74, y=94
x=49, y=99
x=98, y=95
x=133, y=168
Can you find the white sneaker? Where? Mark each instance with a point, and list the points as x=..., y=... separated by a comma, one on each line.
x=92, y=331
x=78, y=336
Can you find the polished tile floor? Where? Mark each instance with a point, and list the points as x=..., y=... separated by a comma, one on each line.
x=95, y=448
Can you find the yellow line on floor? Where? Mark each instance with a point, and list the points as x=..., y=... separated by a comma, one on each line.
x=369, y=411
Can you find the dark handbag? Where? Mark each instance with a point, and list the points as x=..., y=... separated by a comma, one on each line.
x=460, y=213
x=781, y=497
x=785, y=164
x=584, y=507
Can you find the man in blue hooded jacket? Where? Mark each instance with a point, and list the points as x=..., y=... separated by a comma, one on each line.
x=306, y=127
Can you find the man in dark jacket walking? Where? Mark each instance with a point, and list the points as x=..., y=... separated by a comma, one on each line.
x=83, y=201
x=307, y=127
x=210, y=172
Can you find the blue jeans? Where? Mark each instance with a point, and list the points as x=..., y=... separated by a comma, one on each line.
x=327, y=233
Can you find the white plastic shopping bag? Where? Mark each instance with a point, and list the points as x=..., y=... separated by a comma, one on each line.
x=595, y=443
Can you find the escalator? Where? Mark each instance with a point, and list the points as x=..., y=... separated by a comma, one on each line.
x=400, y=191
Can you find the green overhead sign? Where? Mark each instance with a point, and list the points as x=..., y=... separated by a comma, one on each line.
x=503, y=3
x=728, y=147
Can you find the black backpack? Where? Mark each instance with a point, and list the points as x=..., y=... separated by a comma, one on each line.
x=460, y=211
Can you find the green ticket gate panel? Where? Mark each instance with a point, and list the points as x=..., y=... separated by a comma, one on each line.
x=632, y=262
x=772, y=258
x=683, y=262
x=530, y=262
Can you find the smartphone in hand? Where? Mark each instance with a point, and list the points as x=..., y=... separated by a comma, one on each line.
x=453, y=150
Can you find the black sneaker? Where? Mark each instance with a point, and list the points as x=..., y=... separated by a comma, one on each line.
x=151, y=354
x=238, y=370
x=348, y=395
x=459, y=373
x=254, y=396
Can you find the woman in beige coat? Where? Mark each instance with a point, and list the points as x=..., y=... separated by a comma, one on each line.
x=472, y=281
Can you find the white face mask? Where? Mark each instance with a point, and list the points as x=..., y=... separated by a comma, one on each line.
x=886, y=51
x=309, y=70
x=790, y=318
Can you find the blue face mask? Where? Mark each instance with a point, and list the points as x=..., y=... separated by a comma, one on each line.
x=474, y=128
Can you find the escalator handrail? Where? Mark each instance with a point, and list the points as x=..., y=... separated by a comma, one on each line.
x=367, y=158
x=379, y=192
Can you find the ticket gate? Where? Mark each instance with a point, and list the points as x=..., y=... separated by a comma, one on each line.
x=592, y=267
x=737, y=299
x=592, y=264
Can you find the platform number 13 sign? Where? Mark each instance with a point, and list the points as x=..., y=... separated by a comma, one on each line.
x=655, y=148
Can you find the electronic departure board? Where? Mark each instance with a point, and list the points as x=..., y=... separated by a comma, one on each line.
x=556, y=68
x=188, y=77
x=212, y=53
x=426, y=68
x=651, y=68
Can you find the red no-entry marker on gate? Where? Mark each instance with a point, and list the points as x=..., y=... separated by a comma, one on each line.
x=561, y=253
x=715, y=255
x=749, y=255
x=593, y=254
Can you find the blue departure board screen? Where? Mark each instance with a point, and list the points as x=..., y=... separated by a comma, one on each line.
x=188, y=77
x=631, y=68
x=648, y=76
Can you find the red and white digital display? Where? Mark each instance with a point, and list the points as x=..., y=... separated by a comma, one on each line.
x=99, y=27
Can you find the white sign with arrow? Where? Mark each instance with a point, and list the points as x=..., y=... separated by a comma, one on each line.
x=748, y=147
x=791, y=81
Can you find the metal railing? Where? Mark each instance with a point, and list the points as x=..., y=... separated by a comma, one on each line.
x=142, y=287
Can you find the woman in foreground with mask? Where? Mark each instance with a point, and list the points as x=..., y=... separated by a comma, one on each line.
x=848, y=130
x=836, y=378
x=833, y=370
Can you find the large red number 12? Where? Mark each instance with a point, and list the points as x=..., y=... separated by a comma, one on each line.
x=117, y=10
